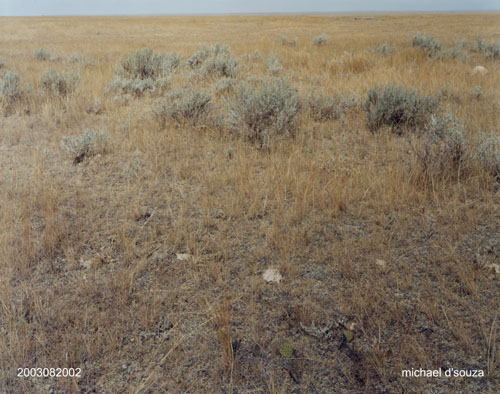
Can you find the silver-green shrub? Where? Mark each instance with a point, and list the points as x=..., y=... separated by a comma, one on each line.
x=452, y=53
x=182, y=105
x=320, y=40
x=488, y=153
x=262, y=110
x=384, y=49
x=10, y=89
x=490, y=50
x=81, y=61
x=477, y=92
x=224, y=85
x=273, y=64
x=144, y=70
x=397, y=107
x=460, y=44
x=93, y=105
x=494, y=52
x=145, y=64
x=90, y=143
x=428, y=44
x=287, y=42
x=442, y=150
x=137, y=87
x=215, y=61
x=53, y=82
x=322, y=108
x=41, y=54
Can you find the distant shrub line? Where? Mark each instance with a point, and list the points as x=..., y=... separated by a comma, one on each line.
x=434, y=49
x=261, y=110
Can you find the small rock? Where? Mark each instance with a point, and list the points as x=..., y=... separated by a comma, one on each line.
x=272, y=275
x=183, y=256
x=381, y=263
x=479, y=70
x=87, y=264
x=496, y=267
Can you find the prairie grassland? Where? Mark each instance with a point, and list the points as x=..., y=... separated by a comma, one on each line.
x=385, y=267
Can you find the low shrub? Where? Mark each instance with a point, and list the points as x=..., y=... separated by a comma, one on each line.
x=10, y=89
x=287, y=42
x=81, y=61
x=384, y=49
x=322, y=108
x=215, y=61
x=224, y=85
x=182, y=105
x=93, y=106
x=477, y=92
x=398, y=108
x=494, y=52
x=53, y=82
x=145, y=64
x=90, y=143
x=441, y=151
x=460, y=44
x=452, y=53
x=490, y=50
x=41, y=54
x=320, y=40
x=488, y=153
x=273, y=64
x=138, y=87
x=144, y=71
x=265, y=109
x=428, y=44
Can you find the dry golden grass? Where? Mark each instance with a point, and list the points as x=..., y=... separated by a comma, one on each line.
x=90, y=277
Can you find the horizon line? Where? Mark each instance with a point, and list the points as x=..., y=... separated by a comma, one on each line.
x=298, y=13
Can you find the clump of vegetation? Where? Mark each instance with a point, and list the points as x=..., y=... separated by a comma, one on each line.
x=81, y=61
x=263, y=110
x=477, y=92
x=495, y=52
x=273, y=64
x=490, y=50
x=90, y=143
x=143, y=71
x=430, y=45
x=488, y=153
x=384, y=49
x=322, y=108
x=442, y=151
x=287, y=42
x=452, y=53
x=224, y=85
x=138, y=87
x=145, y=64
x=460, y=44
x=53, y=82
x=182, y=105
x=215, y=61
x=398, y=108
x=320, y=40
x=41, y=54
x=10, y=89
x=94, y=105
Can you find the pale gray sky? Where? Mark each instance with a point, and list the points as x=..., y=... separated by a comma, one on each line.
x=121, y=7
